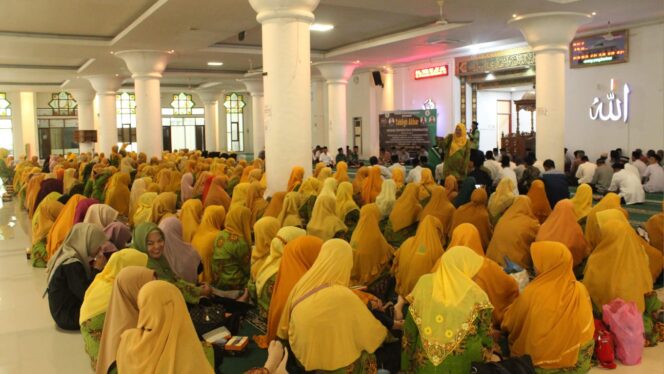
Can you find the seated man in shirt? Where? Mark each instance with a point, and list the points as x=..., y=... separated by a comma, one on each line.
x=585, y=171
x=637, y=162
x=354, y=157
x=602, y=177
x=396, y=164
x=340, y=156
x=404, y=157
x=555, y=183
x=529, y=174
x=627, y=185
x=415, y=174
x=654, y=175
x=385, y=156
x=325, y=158
x=384, y=172
x=477, y=170
x=493, y=166
x=508, y=172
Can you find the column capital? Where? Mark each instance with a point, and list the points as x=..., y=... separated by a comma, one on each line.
x=105, y=84
x=145, y=63
x=82, y=95
x=336, y=71
x=272, y=10
x=549, y=31
x=254, y=83
x=209, y=96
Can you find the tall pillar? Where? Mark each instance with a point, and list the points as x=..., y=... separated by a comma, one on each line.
x=211, y=102
x=549, y=35
x=318, y=112
x=84, y=100
x=336, y=76
x=28, y=126
x=106, y=87
x=287, y=86
x=387, y=102
x=254, y=83
x=146, y=67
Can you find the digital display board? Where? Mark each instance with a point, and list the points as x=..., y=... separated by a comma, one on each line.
x=599, y=49
x=431, y=72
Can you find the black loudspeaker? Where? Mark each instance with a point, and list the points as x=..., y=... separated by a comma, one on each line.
x=377, y=78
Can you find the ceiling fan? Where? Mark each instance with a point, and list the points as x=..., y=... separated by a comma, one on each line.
x=438, y=39
x=441, y=21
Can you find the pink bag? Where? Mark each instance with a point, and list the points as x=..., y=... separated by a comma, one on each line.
x=626, y=323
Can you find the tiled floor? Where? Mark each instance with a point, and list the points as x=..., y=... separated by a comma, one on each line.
x=29, y=340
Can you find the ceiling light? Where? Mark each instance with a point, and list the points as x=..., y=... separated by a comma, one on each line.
x=356, y=61
x=215, y=63
x=514, y=15
x=512, y=89
x=594, y=13
x=322, y=27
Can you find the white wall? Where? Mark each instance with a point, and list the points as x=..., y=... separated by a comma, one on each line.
x=486, y=117
x=361, y=97
x=644, y=72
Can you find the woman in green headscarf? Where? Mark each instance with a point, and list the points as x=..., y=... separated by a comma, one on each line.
x=148, y=238
x=457, y=153
x=231, y=259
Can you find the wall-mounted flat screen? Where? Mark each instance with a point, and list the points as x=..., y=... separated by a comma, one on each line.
x=599, y=49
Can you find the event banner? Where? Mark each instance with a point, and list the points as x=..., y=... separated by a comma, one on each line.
x=411, y=129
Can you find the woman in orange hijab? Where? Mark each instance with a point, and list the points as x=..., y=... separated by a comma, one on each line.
x=319, y=166
x=402, y=222
x=341, y=175
x=451, y=187
x=295, y=179
x=299, y=254
x=417, y=255
x=203, y=242
x=501, y=288
x=514, y=233
x=440, y=207
x=245, y=174
x=32, y=190
x=426, y=184
x=274, y=206
x=117, y=195
x=475, y=213
x=398, y=178
x=562, y=226
x=592, y=233
x=62, y=225
x=371, y=186
x=217, y=193
x=358, y=182
x=199, y=185
x=655, y=228
x=371, y=252
x=537, y=195
x=552, y=320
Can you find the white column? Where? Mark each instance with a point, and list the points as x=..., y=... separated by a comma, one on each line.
x=387, y=102
x=211, y=102
x=336, y=76
x=549, y=35
x=146, y=67
x=106, y=87
x=84, y=100
x=28, y=126
x=318, y=103
x=254, y=83
x=287, y=107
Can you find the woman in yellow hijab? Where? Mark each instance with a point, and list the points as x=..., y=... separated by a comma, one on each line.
x=138, y=188
x=118, y=194
x=206, y=233
x=386, y=198
x=457, y=153
x=324, y=173
x=321, y=304
x=69, y=180
x=552, y=320
x=62, y=225
x=501, y=199
x=317, y=169
x=371, y=186
x=440, y=207
x=241, y=196
x=475, y=213
x=449, y=319
x=32, y=190
x=402, y=222
x=358, y=182
x=231, y=259
x=562, y=226
x=265, y=229
x=582, y=201
x=295, y=179
x=513, y=234
x=324, y=222
x=347, y=210
x=426, y=184
x=398, y=178
x=98, y=295
x=290, y=215
x=371, y=252
x=144, y=208
x=245, y=174
x=417, y=255
x=164, y=340
x=451, y=187
x=163, y=206
x=191, y=215
x=274, y=206
x=592, y=233
x=537, y=195
x=308, y=193
x=341, y=175
x=618, y=267
x=44, y=218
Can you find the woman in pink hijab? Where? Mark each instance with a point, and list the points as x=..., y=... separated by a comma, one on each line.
x=183, y=259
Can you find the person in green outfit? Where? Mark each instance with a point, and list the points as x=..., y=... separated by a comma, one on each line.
x=148, y=238
x=474, y=136
x=456, y=148
x=231, y=259
x=449, y=319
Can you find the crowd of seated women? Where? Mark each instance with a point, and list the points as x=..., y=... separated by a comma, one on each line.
x=342, y=270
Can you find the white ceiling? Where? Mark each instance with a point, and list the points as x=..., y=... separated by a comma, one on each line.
x=44, y=43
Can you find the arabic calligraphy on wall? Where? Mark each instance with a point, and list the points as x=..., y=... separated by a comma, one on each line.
x=618, y=109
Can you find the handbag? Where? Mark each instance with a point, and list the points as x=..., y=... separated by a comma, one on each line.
x=604, y=346
x=207, y=316
x=514, y=365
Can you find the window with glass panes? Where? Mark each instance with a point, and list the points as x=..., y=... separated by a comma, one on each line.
x=6, y=136
x=56, y=126
x=234, y=104
x=125, y=106
x=183, y=123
